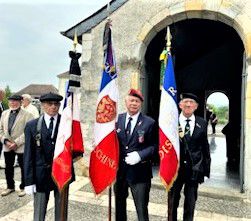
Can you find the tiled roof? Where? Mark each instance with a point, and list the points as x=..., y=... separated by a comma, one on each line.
x=93, y=20
x=35, y=90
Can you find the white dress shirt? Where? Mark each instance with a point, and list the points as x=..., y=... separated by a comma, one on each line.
x=133, y=121
x=183, y=122
x=47, y=119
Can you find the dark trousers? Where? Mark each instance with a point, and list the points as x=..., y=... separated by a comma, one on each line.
x=9, y=168
x=61, y=205
x=140, y=193
x=213, y=128
x=190, y=193
x=1, y=147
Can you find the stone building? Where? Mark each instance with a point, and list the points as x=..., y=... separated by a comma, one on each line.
x=211, y=46
x=62, y=79
x=36, y=90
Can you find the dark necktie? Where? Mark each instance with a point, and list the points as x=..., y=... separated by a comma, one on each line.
x=12, y=118
x=51, y=126
x=128, y=129
x=187, y=129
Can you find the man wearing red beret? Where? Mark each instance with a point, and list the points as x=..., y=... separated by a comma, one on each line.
x=137, y=135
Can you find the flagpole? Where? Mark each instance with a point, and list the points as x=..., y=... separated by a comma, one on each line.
x=108, y=145
x=169, y=200
x=75, y=41
x=110, y=189
x=64, y=203
x=110, y=205
x=168, y=40
x=64, y=194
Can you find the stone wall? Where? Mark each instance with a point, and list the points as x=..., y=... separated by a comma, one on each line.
x=134, y=26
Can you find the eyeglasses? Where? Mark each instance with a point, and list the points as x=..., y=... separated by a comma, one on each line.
x=50, y=103
x=186, y=101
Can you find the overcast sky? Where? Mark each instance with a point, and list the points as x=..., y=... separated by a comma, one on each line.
x=218, y=99
x=32, y=50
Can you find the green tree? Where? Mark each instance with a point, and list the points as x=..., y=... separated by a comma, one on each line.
x=7, y=94
x=212, y=108
x=221, y=113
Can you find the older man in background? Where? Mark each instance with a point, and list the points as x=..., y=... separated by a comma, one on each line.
x=28, y=106
x=12, y=126
x=2, y=94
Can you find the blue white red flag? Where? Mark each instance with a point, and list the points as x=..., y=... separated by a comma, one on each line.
x=168, y=128
x=69, y=141
x=105, y=156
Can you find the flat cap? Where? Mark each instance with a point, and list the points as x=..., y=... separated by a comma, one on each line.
x=15, y=97
x=27, y=96
x=136, y=93
x=50, y=97
x=190, y=96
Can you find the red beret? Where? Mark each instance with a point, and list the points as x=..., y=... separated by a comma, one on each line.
x=136, y=93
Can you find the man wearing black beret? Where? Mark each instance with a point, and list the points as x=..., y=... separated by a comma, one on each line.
x=12, y=126
x=194, y=158
x=40, y=139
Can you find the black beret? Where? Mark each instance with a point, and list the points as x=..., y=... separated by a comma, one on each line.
x=15, y=97
x=50, y=97
x=190, y=96
x=136, y=93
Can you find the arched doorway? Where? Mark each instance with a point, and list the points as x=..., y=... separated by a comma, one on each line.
x=224, y=165
x=208, y=56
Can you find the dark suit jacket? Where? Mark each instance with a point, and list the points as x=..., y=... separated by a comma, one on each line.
x=1, y=145
x=144, y=141
x=38, y=160
x=198, y=152
x=1, y=110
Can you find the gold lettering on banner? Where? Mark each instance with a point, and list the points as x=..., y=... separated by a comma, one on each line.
x=165, y=149
x=65, y=168
x=161, y=154
x=104, y=159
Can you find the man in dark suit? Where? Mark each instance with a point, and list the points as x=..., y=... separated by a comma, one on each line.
x=194, y=158
x=2, y=93
x=40, y=138
x=137, y=142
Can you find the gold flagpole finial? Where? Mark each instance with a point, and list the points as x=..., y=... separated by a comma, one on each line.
x=75, y=41
x=168, y=39
x=108, y=10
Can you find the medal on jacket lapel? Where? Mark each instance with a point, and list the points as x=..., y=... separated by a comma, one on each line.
x=141, y=136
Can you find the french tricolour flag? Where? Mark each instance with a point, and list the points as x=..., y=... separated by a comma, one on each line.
x=168, y=128
x=104, y=157
x=69, y=141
